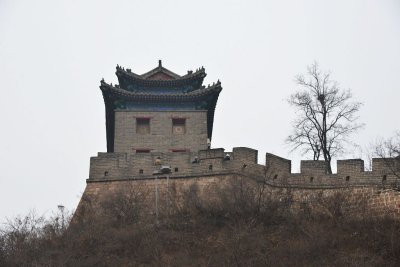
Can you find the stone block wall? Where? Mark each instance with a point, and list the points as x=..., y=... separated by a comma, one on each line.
x=142, y=165
x=161, y=137
x=211, y=153
x=277, y=167
x=350, y=166
x=208, y=168
x=108, y=166
x=245, y=154
x=370, y=200
x=381, y=166
x=312, y=173
x=241, y=160
x=313, y=167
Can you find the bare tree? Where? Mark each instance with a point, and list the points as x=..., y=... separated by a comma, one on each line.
x=389, y=150
x=326, y=116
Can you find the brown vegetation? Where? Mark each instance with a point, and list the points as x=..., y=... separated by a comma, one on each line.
x=240, y=225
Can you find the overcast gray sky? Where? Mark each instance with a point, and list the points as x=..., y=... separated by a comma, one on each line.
x=54, y=53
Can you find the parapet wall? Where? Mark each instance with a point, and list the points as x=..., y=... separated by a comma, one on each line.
x=277, y=170
x=281, y=167
x=119, y=166
x=215, y=168
x=350, y=172
x=245, y=154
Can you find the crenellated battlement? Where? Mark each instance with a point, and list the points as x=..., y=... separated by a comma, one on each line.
x=350, y=172
x=211, y=169
x=242, y=160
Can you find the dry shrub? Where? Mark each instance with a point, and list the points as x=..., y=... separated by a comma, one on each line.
x=241, y=223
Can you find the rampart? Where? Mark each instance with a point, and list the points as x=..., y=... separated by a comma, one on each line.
x=242, y=160
x=208, y=169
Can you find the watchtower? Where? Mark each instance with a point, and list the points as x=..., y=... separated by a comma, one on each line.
x=159, y=111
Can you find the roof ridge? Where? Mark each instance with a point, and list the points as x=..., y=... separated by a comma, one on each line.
x=160, y=68
x=144, y=76
x=216, y=87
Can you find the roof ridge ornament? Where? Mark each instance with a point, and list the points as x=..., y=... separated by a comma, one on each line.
x=159, y=63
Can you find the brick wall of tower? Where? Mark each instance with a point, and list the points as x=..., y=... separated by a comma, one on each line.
x=161, y=138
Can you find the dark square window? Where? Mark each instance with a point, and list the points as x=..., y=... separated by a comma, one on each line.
x=178, y=126
x=142, y=125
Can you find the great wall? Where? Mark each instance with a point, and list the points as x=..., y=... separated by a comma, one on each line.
x=163, y=120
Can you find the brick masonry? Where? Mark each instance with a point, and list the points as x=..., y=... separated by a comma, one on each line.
x=161, y=138
x=359, y=199
x=111, y=172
